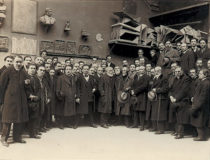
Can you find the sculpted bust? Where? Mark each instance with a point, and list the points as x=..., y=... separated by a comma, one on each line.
x=47, y=18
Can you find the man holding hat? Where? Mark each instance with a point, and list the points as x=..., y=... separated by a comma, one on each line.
x=139, y=89
x=123, y=97
x=159, y=111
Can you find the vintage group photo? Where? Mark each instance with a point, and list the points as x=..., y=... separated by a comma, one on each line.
x=105, y=79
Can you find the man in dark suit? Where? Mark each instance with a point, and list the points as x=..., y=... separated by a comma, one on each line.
x=109, y=62
x=33, y=99
x=85, y=96
x=167, y=56
x=26, y=62
x=58, y=102
x=44, y=100
x=200, y=105
x=198, y=65
x=48, y=116
x=141, y=55
x=159, y=111
x=106, y=88
x=8, y=60
x=97, y=94
x=180, y=100
x=123, y=110
x=195, y=49
x=139, y=89
x=204, y=52
x=187, y=59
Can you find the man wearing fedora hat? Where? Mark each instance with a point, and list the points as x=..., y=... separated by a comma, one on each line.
x=139, y=89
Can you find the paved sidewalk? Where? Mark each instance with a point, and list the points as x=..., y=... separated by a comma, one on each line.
x=115, y=143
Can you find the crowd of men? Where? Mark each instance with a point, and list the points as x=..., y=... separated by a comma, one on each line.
x=165, y=91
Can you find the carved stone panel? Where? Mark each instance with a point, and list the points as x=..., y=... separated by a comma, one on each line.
x=24, y=46
x=60, y=47
x=84, y=50
x=4, y=44
x=24, y=16
x=70, y=47
x=47, y=45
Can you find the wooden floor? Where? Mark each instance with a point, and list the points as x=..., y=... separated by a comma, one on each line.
x=115, y=143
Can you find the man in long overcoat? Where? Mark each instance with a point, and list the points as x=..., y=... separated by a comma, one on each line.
x=85, y=97
x=33, y=92
x=58, y=103
x=180, y=100
x=200, y=105
x=139, y=89
x=14, y=100
x=123, y=109
x=8, y=61
x=66, y=88
x=106, y=88
x=97, y=78
x=204, y=52
x=187, y=58
x=160, y=104
x=44, y=99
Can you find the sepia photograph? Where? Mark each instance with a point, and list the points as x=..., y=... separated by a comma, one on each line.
x=104, y=79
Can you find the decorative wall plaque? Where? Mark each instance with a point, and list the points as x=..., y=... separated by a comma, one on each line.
x=24, y=46
x=84, y=50
x=24, y=16
x=4, y=44
x=60, y=47
x=47, y=45
x=70, y=47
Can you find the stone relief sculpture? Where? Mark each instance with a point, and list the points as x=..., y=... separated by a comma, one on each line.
x=85, y=50
x=47, y=20
x=2, y=12
x=84, y=35
x=71, y=47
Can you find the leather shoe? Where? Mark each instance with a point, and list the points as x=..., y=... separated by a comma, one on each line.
x=4, y=143
x=39, y=133
x=34, y=136
x=19, y=141
x=61, y=127
x=75, y=126
x=159, y=132
x=174, y=134
x=152, y=129
x=93, y=125
x=134, y=126
x=199, y=139
x=141, y=128
x=105, y=126
x=43, y=130
x=179, y=136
